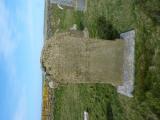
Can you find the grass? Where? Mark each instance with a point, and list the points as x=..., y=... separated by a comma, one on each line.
x=120, y=17
x=99, y=100
x=125, y=15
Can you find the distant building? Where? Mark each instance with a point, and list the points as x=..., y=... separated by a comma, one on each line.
x=80, y=5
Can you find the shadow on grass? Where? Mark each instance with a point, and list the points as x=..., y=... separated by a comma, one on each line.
x=106, y=29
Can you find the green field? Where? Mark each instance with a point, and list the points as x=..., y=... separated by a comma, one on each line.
x=123, y=15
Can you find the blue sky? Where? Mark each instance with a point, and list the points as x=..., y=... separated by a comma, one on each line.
x=21, y=41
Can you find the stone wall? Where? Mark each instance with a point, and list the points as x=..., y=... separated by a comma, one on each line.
x=128, y=66
x=71, y=59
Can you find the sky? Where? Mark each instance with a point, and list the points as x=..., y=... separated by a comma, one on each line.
x=21, y=41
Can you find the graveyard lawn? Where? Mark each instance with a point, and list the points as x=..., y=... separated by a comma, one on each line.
x=123, y=15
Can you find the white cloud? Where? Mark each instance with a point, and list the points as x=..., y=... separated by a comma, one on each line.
x=8, y=50
x=30, y=21
x=21, y=109
x=7, y=46
x=31, y=16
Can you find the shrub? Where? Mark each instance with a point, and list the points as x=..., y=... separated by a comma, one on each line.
x=106, y=29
